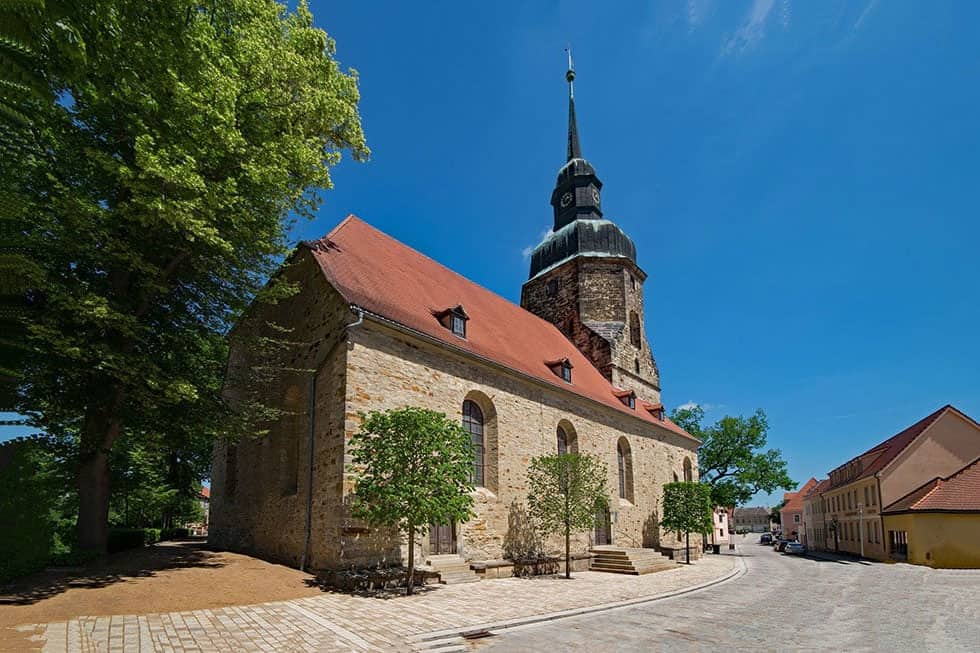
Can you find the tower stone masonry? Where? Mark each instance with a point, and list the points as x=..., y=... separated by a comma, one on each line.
x=585, y=280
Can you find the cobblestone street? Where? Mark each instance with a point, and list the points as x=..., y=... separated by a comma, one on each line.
x=341, y=622
x=783, y=603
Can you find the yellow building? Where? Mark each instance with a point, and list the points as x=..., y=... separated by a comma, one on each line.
x=938, y=524
x=851, y=502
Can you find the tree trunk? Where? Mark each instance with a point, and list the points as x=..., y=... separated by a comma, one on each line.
x=568, y=555
x=101, y=430
x=93, y=501
x=411, y=560
x=687, y=546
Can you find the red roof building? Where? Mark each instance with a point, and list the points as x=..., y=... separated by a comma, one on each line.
x=901, y=470
x=377, y=325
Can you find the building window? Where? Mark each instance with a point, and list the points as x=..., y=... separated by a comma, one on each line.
x=898, y=544
x=453, y=319
x=877, y=539
x=552, y=288
x=566, y=373
x=632, y=282
x=459, y=326
x=624, y=464
x=635, y=335
x=867, y=501
x=561, y=367
x=688, y=470
x=473, y=423
x=874, y=496
x=636, y=365
x=676, y=480
x=562, y=441
x=848, y=500
x=796, y=519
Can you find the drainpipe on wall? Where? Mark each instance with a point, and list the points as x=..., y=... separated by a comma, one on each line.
x=311, y=407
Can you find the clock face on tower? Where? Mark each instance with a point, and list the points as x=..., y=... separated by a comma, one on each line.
x=595, y=194
x=566, y=199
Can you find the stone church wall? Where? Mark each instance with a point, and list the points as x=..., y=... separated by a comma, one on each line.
x=387, y=369
x=261, y=505
x=602, y=290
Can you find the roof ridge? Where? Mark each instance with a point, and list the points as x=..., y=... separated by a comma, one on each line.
x=938, y=483
x=356, y=218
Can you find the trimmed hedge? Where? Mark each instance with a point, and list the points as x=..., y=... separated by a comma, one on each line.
x=174, y=533
x=26, y=502
x=121, y=539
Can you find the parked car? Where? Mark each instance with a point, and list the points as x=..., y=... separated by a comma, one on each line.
x=766, y=538
x=780, y=544
x=794, y=548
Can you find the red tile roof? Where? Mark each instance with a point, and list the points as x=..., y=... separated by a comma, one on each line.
x=881, y=454
x=818, y=489
x=794, y=500
x=957, y=492
x=385, y=277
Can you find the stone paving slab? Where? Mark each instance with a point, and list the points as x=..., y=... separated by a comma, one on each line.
x=344, y=622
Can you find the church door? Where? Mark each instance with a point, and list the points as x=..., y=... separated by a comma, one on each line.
x=603, y=527
x=442, y=539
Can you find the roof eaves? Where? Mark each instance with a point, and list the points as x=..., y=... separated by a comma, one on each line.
x=483, y=359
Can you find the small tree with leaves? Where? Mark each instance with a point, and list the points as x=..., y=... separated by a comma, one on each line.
x=412, y=467
x=565, y=491
x=687, y=509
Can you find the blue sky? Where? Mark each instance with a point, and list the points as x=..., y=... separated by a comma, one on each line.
x=800, y=180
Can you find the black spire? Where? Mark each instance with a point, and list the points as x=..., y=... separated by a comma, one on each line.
x=574, y=149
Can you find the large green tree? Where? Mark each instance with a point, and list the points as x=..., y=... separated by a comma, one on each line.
x=412, y=467
x=687, y=509
x=733, y=460
x=170, y=166
x=565, y=492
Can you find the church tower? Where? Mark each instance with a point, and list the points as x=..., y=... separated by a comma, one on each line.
x=584, y=277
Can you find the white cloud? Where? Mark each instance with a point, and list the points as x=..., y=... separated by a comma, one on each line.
x=753, y=27
x=864, y=14
x=526, y=252
x=697, y=10
x=688, y=406
x=705, y=407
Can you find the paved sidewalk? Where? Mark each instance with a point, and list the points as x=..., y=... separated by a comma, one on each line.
x=341, y=622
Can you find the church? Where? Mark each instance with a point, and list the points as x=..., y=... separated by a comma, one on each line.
x=382, y=326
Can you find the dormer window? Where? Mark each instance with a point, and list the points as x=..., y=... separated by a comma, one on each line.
x=561, y=367
x=657, y=410
x=459, y=326
x=453, y=319
x=628, y=397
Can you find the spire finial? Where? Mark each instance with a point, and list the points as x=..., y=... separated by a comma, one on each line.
x=570, y=75
x=574, y=149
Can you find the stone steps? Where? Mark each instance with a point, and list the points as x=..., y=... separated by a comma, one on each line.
x=632, y=561
x=452, y=569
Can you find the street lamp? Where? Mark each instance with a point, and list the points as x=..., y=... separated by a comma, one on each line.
x=861, y=526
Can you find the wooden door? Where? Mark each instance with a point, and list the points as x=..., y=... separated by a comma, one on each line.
x=603, y=527
x=442, y=539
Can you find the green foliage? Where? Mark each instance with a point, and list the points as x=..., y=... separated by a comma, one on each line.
x=177, y=533
x=121, y=539
x=774, y=512
x=412, y=467
x=687, y=508
x=565, y=492
x=28, y=499
x=732, y=460
x=161, y=189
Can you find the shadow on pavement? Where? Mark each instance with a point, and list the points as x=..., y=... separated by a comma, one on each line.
x=139, y=563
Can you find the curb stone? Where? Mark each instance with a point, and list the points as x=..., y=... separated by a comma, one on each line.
x=454, y=639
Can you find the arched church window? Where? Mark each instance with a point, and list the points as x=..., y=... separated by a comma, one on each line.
x=624, y=463
x=473, y=423
x=634, y=329
x=688, y=470
x=562, y=441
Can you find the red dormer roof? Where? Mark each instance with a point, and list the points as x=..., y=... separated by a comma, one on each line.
x=958, y=492
x=388, y=279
